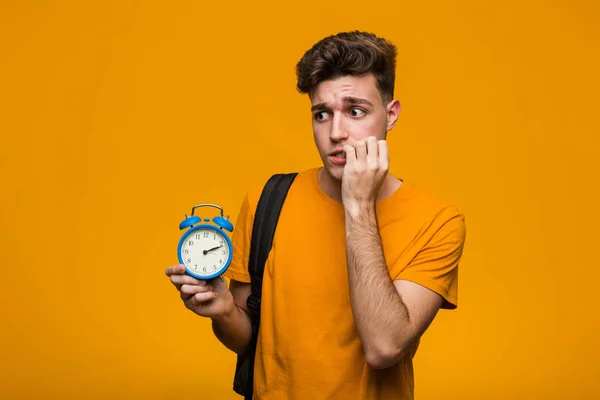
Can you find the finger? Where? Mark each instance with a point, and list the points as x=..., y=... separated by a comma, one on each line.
x=372, y=151
x=193, y=289
x=350, y=154
x=175, y=269
x=188, y=291
x=200, y=298
x=384, y=157
x=190, y=280
x=361, y=151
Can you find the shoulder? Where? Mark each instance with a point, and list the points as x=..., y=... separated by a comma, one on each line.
x=428, y=209
x=254, y=191
x=427, y=199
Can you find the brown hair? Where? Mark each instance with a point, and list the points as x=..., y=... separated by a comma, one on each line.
x=349, y=53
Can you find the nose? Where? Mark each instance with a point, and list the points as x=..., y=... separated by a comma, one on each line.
x=338, y=129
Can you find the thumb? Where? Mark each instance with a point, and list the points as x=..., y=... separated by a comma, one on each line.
x=219, y=285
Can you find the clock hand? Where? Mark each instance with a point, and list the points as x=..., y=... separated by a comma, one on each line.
x=214, y=248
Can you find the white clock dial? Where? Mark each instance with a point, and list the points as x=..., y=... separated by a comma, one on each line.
x=205, y=251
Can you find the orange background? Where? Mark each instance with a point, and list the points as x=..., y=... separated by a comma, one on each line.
x=117, y=116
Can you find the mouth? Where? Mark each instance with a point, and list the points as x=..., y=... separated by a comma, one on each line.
x=338, y=154
x=338, y=157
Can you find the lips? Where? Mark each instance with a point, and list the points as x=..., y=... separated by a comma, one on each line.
x=338, y=157
x=338, y=154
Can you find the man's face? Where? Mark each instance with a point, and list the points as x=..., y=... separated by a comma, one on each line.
x=344, y=111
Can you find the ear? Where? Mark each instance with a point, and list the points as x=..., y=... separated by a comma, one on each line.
x=393, y=111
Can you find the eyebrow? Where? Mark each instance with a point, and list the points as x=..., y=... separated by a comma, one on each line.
x=346, y=100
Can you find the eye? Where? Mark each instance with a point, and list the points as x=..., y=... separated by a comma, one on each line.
x=357, y=112
x=321, y=115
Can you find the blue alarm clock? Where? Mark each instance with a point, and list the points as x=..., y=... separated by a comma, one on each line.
x=205, y=249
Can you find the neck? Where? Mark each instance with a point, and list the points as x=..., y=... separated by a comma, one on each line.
x=332, y=187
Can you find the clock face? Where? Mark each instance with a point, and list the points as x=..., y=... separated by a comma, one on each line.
x=205, y=251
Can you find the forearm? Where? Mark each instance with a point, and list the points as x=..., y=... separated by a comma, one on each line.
x=233, y=329
x=380, y=315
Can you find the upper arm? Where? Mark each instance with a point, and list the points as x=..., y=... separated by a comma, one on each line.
x=240, y=292
x=434, y=269
x=430, y=281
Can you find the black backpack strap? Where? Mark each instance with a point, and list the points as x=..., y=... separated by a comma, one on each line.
x=265, y=222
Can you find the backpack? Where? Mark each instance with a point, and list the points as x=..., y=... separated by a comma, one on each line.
x=265, y=221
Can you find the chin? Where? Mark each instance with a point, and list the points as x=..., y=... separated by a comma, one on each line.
x=334, y=171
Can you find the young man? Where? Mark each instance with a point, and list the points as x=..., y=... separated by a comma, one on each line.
x=361, y=261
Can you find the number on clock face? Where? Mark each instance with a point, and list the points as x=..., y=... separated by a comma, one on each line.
x=205, y=251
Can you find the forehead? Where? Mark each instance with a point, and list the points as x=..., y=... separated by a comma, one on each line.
x=334, y=91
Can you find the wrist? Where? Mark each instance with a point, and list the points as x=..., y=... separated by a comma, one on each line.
x=359, y=210
x=360, y=221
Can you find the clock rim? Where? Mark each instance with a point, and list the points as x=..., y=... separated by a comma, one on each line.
x=227, y=263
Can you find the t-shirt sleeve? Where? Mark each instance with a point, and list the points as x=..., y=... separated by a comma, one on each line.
x=435, y=266
x=240, y=240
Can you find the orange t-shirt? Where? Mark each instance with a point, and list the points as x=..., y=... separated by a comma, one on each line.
x=308, y=346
